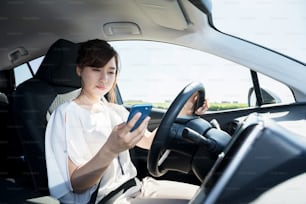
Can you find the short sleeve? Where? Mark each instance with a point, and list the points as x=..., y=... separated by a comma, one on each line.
x=57, y=159
x=56, y=155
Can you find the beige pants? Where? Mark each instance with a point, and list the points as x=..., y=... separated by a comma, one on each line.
x=159, y=191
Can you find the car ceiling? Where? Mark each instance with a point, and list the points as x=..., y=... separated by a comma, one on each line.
x=35, y=25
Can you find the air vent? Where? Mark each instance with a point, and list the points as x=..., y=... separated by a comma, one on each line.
x=232, y=127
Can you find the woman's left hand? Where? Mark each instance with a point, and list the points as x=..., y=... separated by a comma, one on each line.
x=188, y=108
x=202, y=109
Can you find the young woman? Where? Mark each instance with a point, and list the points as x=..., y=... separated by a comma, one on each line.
x=88, y=140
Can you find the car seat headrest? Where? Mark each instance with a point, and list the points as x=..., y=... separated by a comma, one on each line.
x=59, y=65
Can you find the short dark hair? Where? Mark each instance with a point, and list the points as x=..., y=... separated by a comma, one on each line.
x=95, y=53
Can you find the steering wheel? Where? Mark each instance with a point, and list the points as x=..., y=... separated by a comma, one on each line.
x=162, y=139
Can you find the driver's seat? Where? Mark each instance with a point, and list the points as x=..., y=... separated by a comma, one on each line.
x=33, y=102
x=32, y=99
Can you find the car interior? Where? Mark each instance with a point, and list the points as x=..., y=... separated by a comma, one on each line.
x=56, y=75
x=235, y=156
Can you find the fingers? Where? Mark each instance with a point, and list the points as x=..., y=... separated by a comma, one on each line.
x=139, y=132
x=133, y=121
x=201, y=110
x=195, y=97
x=206, y=104
x=130, y=138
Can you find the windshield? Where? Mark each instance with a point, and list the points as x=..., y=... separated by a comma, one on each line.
x=276, y=24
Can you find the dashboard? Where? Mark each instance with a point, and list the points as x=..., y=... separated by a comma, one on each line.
x=263, y=153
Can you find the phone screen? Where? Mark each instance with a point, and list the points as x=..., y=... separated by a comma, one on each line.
x=145, y=110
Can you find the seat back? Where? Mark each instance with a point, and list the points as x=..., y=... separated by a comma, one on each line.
x=32, y=99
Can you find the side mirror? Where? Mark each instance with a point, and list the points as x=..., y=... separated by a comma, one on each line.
x=268, y=97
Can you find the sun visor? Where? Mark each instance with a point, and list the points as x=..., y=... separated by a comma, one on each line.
x=158, y=9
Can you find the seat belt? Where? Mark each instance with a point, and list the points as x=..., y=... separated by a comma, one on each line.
x=113, y=195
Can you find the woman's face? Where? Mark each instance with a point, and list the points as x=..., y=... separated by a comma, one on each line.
x=96, y=82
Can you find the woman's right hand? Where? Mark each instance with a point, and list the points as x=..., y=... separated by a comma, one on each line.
x=122, y=139
x=84, y=176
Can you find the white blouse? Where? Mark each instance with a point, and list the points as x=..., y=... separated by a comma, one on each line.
x=78, y=133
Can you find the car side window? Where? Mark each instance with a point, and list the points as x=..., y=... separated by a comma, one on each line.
x=278, y=91
x=156, y=72
x=152, y=72
x=25, y=71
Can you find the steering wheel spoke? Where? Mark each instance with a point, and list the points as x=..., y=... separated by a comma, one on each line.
x=163, y=157
x=162, y=140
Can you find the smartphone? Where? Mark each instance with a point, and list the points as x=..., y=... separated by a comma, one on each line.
x=144, y=109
